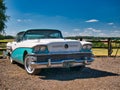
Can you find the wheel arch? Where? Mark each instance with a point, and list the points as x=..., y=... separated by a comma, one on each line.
x=24, y=54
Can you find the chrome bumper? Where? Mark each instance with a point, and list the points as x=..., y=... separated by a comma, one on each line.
x=60, y=60
x=62, y=63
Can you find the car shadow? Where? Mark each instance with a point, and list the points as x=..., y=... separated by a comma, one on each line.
x=20, y=65
x=64, y=74
x=67, y=74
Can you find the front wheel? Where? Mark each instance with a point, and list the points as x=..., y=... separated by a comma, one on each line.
x=28, y=67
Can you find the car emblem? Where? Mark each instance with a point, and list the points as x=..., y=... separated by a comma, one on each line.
x=66, y=46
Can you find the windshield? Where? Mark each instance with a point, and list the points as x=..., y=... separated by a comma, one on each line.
x=42, y=34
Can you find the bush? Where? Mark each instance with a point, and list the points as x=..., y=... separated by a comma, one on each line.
x=1, y=37
x=6, y=37
x=9, y=37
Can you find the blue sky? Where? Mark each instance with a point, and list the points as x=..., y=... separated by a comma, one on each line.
x=72, y=17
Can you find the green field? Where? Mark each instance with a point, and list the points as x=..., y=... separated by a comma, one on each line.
x=6, y=40
x=98, y=51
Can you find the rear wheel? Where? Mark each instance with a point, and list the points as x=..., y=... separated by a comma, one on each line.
x=11, y=60
x=28, y=68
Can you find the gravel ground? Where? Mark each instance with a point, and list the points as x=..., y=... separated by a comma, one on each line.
x=102, y=74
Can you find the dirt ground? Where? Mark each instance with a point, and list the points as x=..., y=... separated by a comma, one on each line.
x=102, y=74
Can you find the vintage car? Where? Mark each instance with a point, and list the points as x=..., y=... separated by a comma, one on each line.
x=46, y=48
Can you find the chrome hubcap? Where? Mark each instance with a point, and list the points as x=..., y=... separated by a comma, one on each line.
x=28, y=65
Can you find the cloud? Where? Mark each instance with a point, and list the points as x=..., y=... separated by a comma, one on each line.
x=102, y=34
x=19, y=20
x=115, y=33
x=84, y=32
x=91, y=32
x=76, y=30
x=92, y=20
x=66, y=34
x=111, y=23
x=24, y=20
x=94, y=30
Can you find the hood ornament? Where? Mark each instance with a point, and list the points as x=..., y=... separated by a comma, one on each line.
x=66, y=46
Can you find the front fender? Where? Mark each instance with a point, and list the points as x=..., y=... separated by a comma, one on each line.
x=18, y=54
x=84, y=42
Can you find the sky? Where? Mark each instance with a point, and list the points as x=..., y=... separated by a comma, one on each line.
x=72, y=17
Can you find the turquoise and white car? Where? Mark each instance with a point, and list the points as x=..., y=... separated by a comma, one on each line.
x=46, y=48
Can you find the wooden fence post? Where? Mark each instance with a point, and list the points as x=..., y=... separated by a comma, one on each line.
x=109, y=47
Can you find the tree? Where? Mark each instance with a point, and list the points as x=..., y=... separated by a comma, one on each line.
x=3, y=16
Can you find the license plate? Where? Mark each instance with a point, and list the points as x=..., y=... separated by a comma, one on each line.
x=68, y=64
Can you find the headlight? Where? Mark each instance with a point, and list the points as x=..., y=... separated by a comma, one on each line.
x=88, y=47
x=41, y=48
x=36, y=49
x=84, y=47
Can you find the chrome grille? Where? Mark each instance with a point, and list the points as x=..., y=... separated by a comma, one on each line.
x=57, y=57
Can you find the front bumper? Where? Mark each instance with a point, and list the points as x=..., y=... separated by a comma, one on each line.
x=60, y=60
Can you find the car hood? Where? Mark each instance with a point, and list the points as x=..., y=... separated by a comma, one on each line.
x=53, y=44
x=32, y=43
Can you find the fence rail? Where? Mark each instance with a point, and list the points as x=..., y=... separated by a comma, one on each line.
x=108, y=42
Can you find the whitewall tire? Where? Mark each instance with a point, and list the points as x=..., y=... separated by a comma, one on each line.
x=28, y=68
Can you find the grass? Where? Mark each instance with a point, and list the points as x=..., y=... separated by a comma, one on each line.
x=6, y=40
x=98, y=51
x=3, y=45
x=0, y=53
